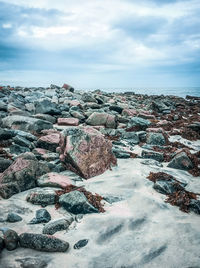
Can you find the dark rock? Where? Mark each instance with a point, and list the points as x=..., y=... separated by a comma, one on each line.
x=17, y=149
x=195, y=206
x=138, y=123
x=131, y=136
x=13, y=217
x=11, y=238
x=45, y=106
x=2, y=244
x=42, y=216
x=4, y=164
x=3, y=106
x=6, y=134
x=46, y=117
x=155, y=138
x=81, y=243
x=68, y=87
x=42, y=197
x=120, y=153
x=76, y=202
x=49, y=142
x=116, y=108
x=22, y=142
x=57, y=225
x=43, y=242
x=166, y=186
x=152, y=155
x=181, y=161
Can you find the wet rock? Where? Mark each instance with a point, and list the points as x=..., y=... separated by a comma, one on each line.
x=11, y=238
x=138, y=123
x=57, y=225
x=42, y=216
x=152, y=155
x=13, y=217
x=49, y=142
x=25, y=123
x=194, y=206
x=4, y=164
x=181, y=161
x=21, y=176
x=102, y=119
x=68, y=121
x=43, y=242
x=54, y=179
x=155, y=138
x=43, y=197
x=86, y=152
x=81, y=243
x=76, y=202
x=166, y=187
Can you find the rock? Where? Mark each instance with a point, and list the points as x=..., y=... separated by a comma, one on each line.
x=131, y=136
x=68, y=121
x=151, y=162
x=86, y=152
x=42, y=216
x=21, y=176
x=181, y=161
x=4, y=164
x=54, y=179
x=160, y=107
x=25, y=123
x=120, y=153
x=3, y=106
x=13, y=217
x=129, y=112
x=33, y=262
x=2, y=245
x=152, y=155
x=45, y=106
x=11, y=238
x=6, y=134
x=195, y=126
x=88, y=98
x=49, y=142
x=195, y=206
x=116, y=108
x=102, y=119
x=57, y=225
x=43, y=197
x=68, y=87
x=43, y=242
x=155, y=138
x=26, y=135
x=17, y=149
x=76, y=203
x=166, y=186
x=81, y=243
x=138, y=123
x=22, y=142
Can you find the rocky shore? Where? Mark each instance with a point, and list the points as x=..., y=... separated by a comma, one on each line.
x=96, y=179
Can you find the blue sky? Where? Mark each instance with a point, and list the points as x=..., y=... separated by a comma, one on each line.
x=100, y=43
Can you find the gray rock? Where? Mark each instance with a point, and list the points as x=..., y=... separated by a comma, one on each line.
x=13, y=217
x=4, y=164
x=17, y=149
x=46, y=117
x=181, y=161
x=6, y=134
x=43, y=242
x=195, y=206
x=151, y=162
x=3, y=106
x=166, y=186
x=116, y=108
x=120, y=153
x=11, y=239
x=152, y=155
x=42, y=216
x=22, y=142
x=102, y=119
x=138, y=123
x=81, y=243
x=45, y=106
x=76, y=202
x=88, y=98
x=155, y=139
x=44, y=196
x=33, y=262
x=57, y=225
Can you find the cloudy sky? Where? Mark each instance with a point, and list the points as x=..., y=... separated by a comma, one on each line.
x=100, y=43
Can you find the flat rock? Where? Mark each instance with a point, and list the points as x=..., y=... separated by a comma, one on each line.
x=102, y=119
x=44, y=196
x=49, y=142
x=138, y=123
x=68, y=121
x=54, y=179
x=152, y=155
x=57, y=225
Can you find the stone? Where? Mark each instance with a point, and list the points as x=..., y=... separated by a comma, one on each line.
x=129, y=112
x=166, y=186
x=131, y=136
x=120, y=153
x=195, y=206
x=81, y=243
x=57, y=225
x=155, y=138
x=88, y=98
x=4, y=164
x=42, y=216
x=43, y=242
x=21, y=176
x=181, y=161
x=2, y=245
x=159, y=106
x=54, y=179
x=152, y=155
x=116, y=108
x=76, y=203
x=26, y=123
x=13, y=217
x=68, y=87
x=43, y=197
x=3, y=106
x=6, y=134
x=138, y=123
x=46, y=117
x=86, y=152
x=45, y=106
x=68, y=121
x=22, y=141
x=151, y=162
x=17, y=149
x=33, y=262
x=11, y=238
x=49, y=142
x=102, y=119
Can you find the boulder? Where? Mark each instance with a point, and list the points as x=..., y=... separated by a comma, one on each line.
x=68, y=121
x=86, y=152
x=4, y=164
x=181, y=161
x=76, y=202
x=102, y=119
x=57, y=225
x=138, y=123
x=152, y=155
x=86, y=97
x=21, y=176
x=42, y=216
x=13, y=217
x=43, y=242
x=49, y=142
x=155, y=138
x=26, y=123
x=54, y=179
x=129, y=112
x=11, y=238
x=6, y=134
x=43, y=197
x=45, y=106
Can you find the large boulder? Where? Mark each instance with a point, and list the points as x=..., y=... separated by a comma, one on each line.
x=45, y=106
x=138, y=123
x=102, y=119
x=54, y=179
x=26, y=123
x=86, y=152
x=155, y=138
x=21, y=176
x=181, y=161
x=49, y=142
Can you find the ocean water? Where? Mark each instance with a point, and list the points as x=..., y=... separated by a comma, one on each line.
x=176, y=91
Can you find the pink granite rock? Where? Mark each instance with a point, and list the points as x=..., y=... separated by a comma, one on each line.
x=49, y=142
x=129, y=112
x=68, y=121
x=74, y=103
x=86, y=152
x=102, y=119
x=54, y=179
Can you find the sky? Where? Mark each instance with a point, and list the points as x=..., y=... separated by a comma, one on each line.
x=100, y=43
